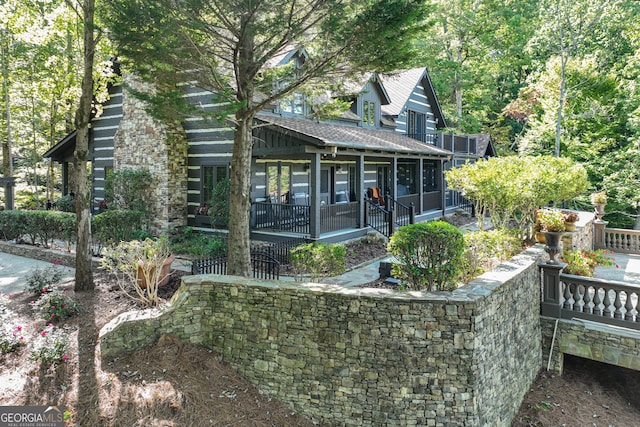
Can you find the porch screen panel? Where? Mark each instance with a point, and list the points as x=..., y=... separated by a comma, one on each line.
x=279, y=181
x=430, y=176
x=407, y=175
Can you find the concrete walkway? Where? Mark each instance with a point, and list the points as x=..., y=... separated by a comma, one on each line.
x=627, y=269
x=14, y=270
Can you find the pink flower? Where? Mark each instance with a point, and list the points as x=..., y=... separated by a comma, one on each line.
x=50, y=325
x=18, y=328
x=53, y=315
x=65, y=357
x=14, y=334
x=32, y=302
x=21, y=337
x=66, y=291
x=43, y=333
x=53, y=307
x=44, y=290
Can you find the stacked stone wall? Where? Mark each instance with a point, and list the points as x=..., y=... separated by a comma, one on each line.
x=589, y=340
x=143, y=143
x=364, y=356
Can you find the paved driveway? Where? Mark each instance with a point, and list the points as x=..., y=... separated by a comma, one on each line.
x=14, y=269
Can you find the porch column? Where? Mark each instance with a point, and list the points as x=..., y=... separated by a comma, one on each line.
x=360, y=190
x=394, y=177
x=65, y=178
x=314, y=191
x=420, y=186
x=443, y=192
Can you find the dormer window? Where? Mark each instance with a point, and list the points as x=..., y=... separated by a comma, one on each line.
x=368, y=113
x=294, y=104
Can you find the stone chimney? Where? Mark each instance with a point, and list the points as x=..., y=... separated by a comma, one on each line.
x=143, y=143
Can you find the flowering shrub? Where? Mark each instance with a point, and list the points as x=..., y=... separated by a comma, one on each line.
x=56, y=305
x=571, y=216
x=50, y=347
x=11, y=340
x=583, y=263
x=41, y=280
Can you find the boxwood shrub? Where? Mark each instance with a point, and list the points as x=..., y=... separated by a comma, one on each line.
x=429, y=255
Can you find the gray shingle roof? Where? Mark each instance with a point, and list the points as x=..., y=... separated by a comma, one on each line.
x=400, y=85
x=352, y=137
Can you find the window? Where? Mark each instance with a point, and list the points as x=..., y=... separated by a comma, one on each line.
x=279, y=182
x=416, y=128
x=430, y=176
x=211, y=175
x=369, y=113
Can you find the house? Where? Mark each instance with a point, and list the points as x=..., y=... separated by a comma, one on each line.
x=308, y=178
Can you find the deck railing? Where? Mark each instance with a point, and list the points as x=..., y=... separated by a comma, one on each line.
x=565, y=296
x=339, y=216
x=378, y=218
x=621, y=240
x=280, y=217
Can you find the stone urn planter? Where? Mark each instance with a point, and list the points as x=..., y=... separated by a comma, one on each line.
x=553, y=245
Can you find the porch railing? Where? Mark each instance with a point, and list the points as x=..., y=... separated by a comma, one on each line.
x=339, y=216
x=621, y=240
x=566, y=296
x=404, y=214
x=378, y=218
x=280, y=217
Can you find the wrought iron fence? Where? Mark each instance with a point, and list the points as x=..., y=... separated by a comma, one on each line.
x=263, y=266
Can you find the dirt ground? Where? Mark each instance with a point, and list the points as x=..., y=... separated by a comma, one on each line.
x=175, y=384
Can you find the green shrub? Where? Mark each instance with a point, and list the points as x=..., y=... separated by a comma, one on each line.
x=41, y=280
x=12, y=224
x=44, y=226
x=55, y=305
x=10, y=340
x=66, y=204
x=484, y=250
x=114, y=226
x=51, y=347
x=429, y=255
x=318, y=260
x=186, y=241
x=129, y=190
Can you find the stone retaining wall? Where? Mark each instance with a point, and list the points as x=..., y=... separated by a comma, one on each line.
x=37, y=252
x=364, y=356
x=590, y=340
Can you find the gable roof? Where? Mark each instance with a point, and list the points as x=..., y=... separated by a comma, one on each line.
x=402, y=84
x=484, y=145
x=329, y=135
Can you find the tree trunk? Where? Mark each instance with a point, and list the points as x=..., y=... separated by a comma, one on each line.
x=239, y=257
x=7, y=164
x=636, y=226
x=84, y=277
x=239, y=250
